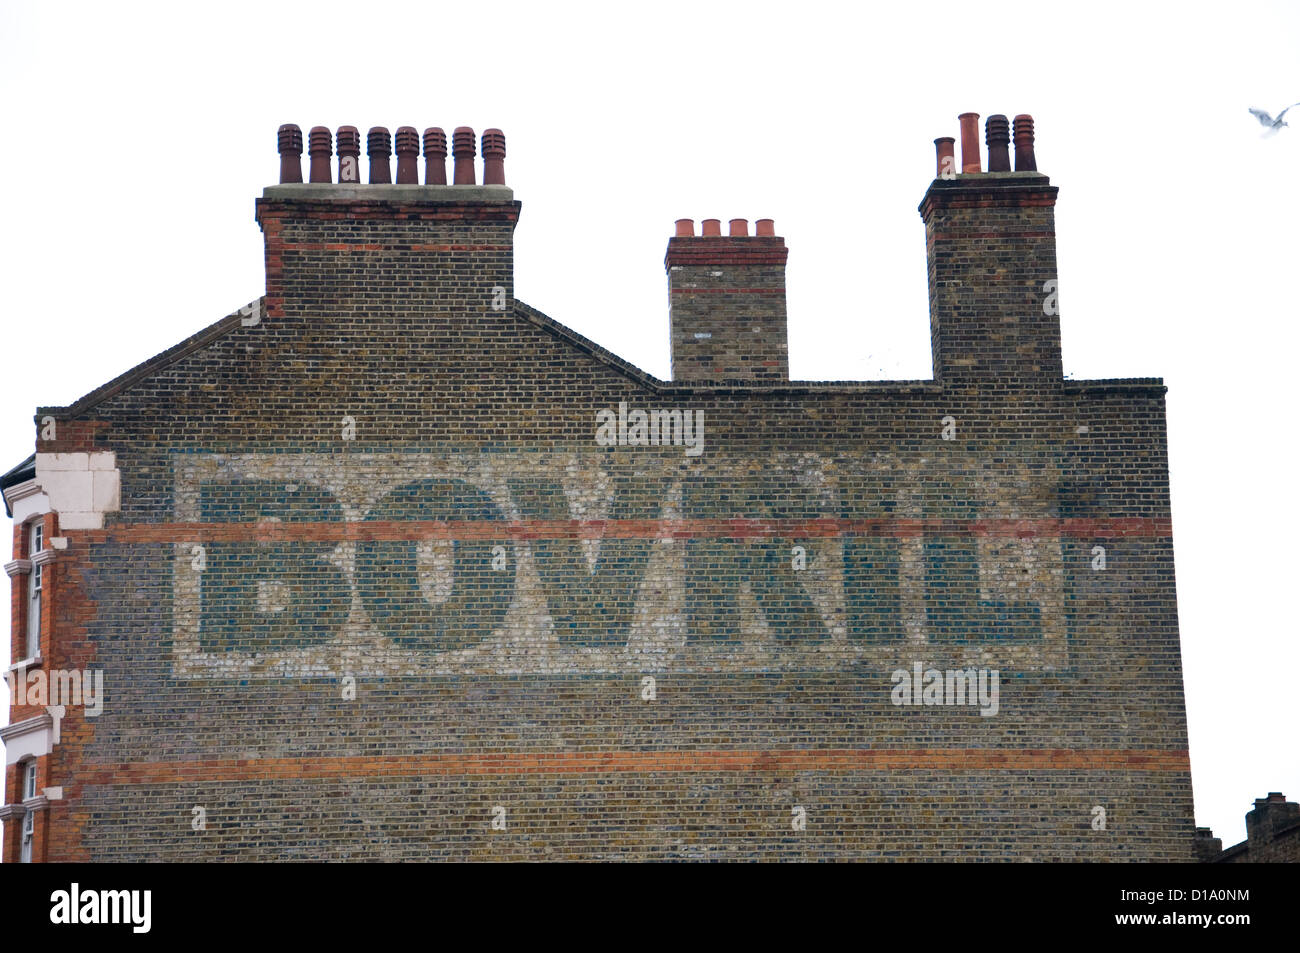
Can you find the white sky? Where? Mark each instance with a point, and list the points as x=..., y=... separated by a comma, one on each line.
x=139, y=135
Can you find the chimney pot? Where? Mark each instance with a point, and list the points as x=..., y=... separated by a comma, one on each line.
x=290, y=147
x=765, y=228
x=435, y=156
x=685, y=228
x=462, y=148
x=997, y=135
x=348, y=145
x=970, y=142
x=739, y=228
x=320, y=147
x=1024, y=136
x=379, y=146
x=494, y=157
x=711, y=227
x=944, y=160
x=408, y=156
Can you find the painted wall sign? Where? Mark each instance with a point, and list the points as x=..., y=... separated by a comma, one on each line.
x=611, y=561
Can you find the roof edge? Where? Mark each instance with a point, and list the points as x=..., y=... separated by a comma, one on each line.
x=20, y=474
x=587, y=346
x=176, y=352
x=1115, y=385
x=580, y=342
x=721, y=386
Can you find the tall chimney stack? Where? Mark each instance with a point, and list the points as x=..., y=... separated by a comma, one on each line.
x=991, y=250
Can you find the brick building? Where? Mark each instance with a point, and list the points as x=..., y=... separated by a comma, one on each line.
x=389, y=565
x=1272, y=835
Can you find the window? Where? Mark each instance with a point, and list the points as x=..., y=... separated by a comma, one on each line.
x=29, y=834
x=36, y=542
x=29, y=780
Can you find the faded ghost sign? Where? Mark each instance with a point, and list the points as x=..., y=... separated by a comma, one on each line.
x=607, y=561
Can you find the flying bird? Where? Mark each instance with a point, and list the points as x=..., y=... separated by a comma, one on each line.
x=1268, y=122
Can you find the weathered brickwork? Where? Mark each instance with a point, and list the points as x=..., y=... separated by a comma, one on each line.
x=375, y=591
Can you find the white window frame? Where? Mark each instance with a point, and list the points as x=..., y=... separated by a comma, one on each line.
x=28, y=836
x=29, y=779
x=35, y=544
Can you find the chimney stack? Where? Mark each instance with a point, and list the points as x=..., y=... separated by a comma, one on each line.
x=991, y=256
x=1271, y=815
x=1207, y=845
x=333, y=247
x=726, y=295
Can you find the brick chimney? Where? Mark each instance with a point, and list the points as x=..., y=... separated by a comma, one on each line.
x=338, y=245
x=1206, y=845
x=1270, y=815
x=990, y=241
x=726, y=300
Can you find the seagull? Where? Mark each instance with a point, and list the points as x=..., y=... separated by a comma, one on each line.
x=1268, y=122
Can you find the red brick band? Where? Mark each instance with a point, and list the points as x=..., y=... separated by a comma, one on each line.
x=946, y=199
x=378, y=210
x=488, y=247
x=513, y=763
x=727, y=291
x=357, y=246
x=991, y=234
x=365, y=530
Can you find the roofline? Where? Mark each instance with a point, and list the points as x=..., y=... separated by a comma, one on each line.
x=650, y=382
x=587, y=346
x=785, y=388
x=20, y=474
x=579, y=342
x=158, y=362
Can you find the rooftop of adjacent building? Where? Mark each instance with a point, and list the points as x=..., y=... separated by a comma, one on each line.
x=1272, y=833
